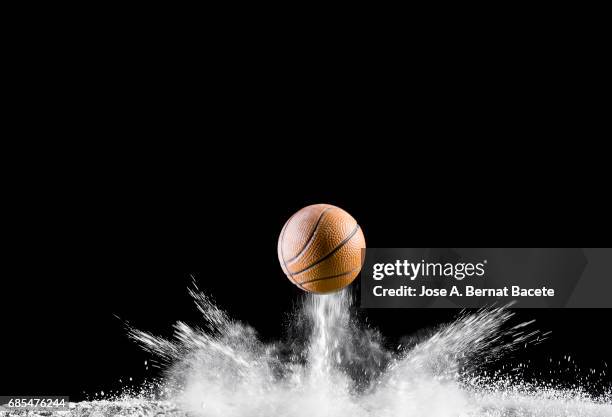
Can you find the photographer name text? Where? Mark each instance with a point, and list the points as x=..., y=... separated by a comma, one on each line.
x=467, y=291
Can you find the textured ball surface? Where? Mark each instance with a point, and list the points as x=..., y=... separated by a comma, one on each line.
x=319, y=248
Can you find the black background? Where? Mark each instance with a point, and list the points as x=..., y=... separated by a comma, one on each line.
x=81, y=263
x=436, y=149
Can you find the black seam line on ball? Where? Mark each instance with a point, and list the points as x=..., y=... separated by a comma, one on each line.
x=329, y=277
x=310, y=239
x=282, y=240
x=329, y=254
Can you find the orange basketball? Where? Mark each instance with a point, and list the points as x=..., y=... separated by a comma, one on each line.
x=319, y=248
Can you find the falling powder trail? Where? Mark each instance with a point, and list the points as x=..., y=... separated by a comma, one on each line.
x=333, y=366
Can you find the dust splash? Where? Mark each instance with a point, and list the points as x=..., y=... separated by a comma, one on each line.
x=333, y=365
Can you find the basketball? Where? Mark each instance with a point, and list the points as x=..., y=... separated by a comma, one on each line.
x=319, y=248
